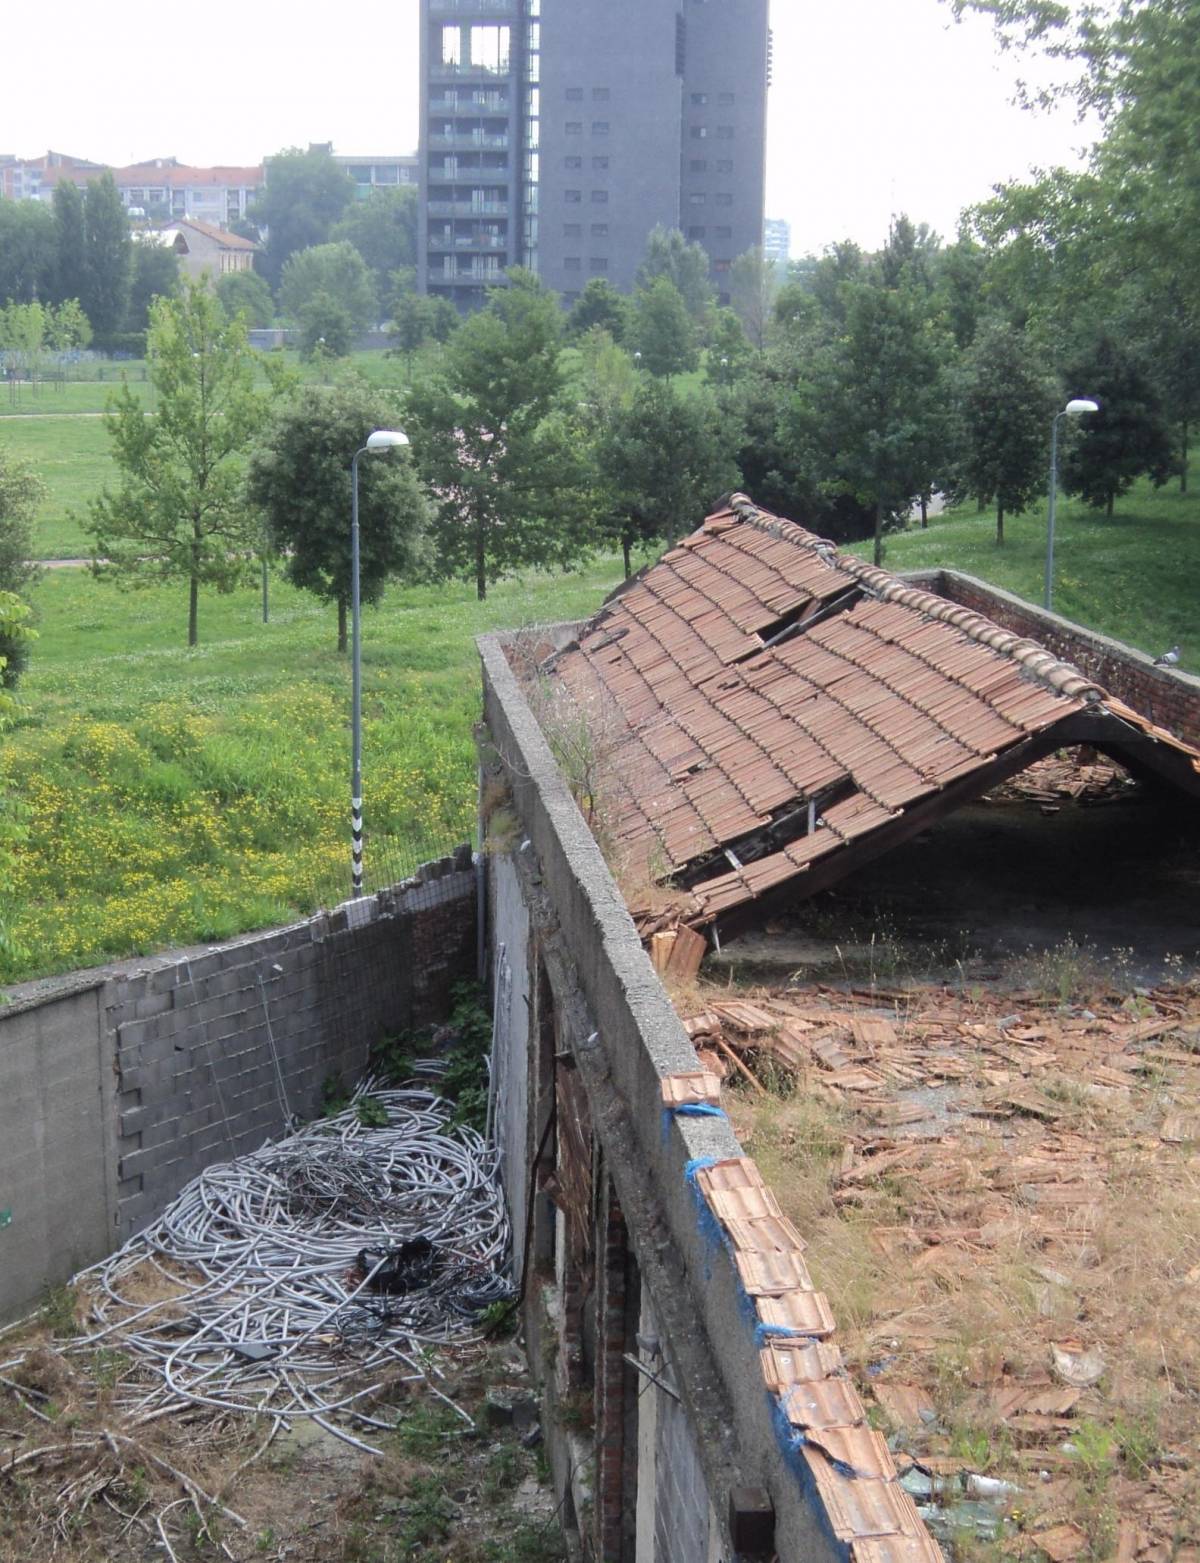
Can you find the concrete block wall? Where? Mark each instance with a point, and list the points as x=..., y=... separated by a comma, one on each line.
x=1169, y=698
x=618, y=1034
x=118, y=1087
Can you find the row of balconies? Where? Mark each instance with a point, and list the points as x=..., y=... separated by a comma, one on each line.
x=478, y=271
x=463, y=140
x=446, y=70
x=467, y=241
x=473, y=8
x=478, y=102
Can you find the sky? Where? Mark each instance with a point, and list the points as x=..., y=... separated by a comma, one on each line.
x=878, y=106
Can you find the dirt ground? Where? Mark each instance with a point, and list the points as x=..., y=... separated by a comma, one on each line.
x=81, y=1483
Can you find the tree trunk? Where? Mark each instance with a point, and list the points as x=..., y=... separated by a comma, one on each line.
x=193, y=609
x=341, y=607
x=1183, y=457
x=999, y=524
x=924, y=511
x=879, y=532
x=1108, y=509
x=625, y=554
x=480, y=565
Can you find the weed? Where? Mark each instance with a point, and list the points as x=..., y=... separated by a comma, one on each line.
x=576, y=1410
x=1064, y=971
x=505, y=1469
x=529, y=1544
x=334, y=1096
x=58, y=1310
x=424, y=1431
x=1094, y=1451
x=371, y=1113
x=429, y=1517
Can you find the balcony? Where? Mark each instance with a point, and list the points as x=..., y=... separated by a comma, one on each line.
x=467, y=208
x=473, y=8
x=468, y=140
x=484, y=243
x=446, y=70
x=477, y=103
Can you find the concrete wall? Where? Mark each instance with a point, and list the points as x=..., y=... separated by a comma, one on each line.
x=614, y=1031
x=118, y=1086
x=1169, y=698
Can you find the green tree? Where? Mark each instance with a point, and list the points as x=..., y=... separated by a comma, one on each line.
x=336, y=272
x=67, y=327
x=245, y=292
x=69, y=245
x=21, y=491
x=299, y=478
x=383, y=229
x=662, y=462
x=326, y=327
x=873, y=396
x=507, y=478
x=155, y=275
x=180, y=511
x=107, y=257
x=304, y=196
x=670, y=255
x=1127, y=439
x=728, y=350
x=599, y=305
x=753, y=288
x=1007, y=404
x=28, y=255
x=662, y=331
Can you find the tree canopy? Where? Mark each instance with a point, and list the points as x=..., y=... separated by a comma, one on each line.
x=299, y=478
x=304, y=196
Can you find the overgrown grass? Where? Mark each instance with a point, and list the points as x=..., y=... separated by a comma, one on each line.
x=1134, y=575
x=177, y=796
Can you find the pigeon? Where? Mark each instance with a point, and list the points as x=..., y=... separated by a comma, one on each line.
x=1168, y=658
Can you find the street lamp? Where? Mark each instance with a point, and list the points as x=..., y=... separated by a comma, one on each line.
x=1073, y=409
x=380, y=440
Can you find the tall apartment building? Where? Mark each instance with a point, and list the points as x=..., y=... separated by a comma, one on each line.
x=555, y=134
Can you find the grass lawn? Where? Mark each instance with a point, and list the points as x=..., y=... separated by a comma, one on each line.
x=1134, y=575
x=72, y=395
x=175, y=796
x=72, y=456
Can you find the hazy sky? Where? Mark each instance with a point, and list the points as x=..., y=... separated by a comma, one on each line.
x=878, y=106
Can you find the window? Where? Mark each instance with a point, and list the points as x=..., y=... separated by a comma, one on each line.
x=572, y=162
x=699, y=132
x=572, y=230
x=600, y=94
x=724, y=132
x=723, y=231
x=599, y=230
x=699, y=99
x=698, y=165
x=572, y=197
x=724, y=165
x=599, y=127
x=696, y=197
x=725, y=99
x=574, y=127
x=598, y=263
x=574, y=94
x=723, y=198
x=489, y=47
x=696, y=233
x=600, y=164
x=599, y=197
x=451, y=45
x=573, y=263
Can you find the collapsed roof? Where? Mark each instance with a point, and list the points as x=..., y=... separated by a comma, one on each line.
x=774, y=713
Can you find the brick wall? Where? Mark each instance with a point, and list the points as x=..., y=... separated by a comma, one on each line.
x=118, y=1087
x=1169, y=698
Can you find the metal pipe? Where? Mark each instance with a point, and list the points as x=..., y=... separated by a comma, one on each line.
x=356, y=821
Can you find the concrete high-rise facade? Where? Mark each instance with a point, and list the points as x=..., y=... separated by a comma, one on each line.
x=556, y=134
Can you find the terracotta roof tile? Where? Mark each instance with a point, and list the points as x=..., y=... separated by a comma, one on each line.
x=732, y=712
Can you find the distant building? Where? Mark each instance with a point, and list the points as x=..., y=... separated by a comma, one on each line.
x=205, y=250
x=777, y=240
x=383, y=172
x=34, y=178
x=555, y=134
x=165, y=189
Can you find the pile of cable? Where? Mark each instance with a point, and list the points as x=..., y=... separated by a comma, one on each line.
x=311, y=1276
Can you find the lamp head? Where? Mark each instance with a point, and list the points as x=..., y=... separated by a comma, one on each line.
x=386, y=439
x=1079, y=404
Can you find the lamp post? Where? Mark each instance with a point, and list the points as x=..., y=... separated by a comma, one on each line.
x=1074, y=408
x=380, y=440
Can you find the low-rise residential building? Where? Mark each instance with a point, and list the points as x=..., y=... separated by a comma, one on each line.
x=205, y=250
x=165, y=189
